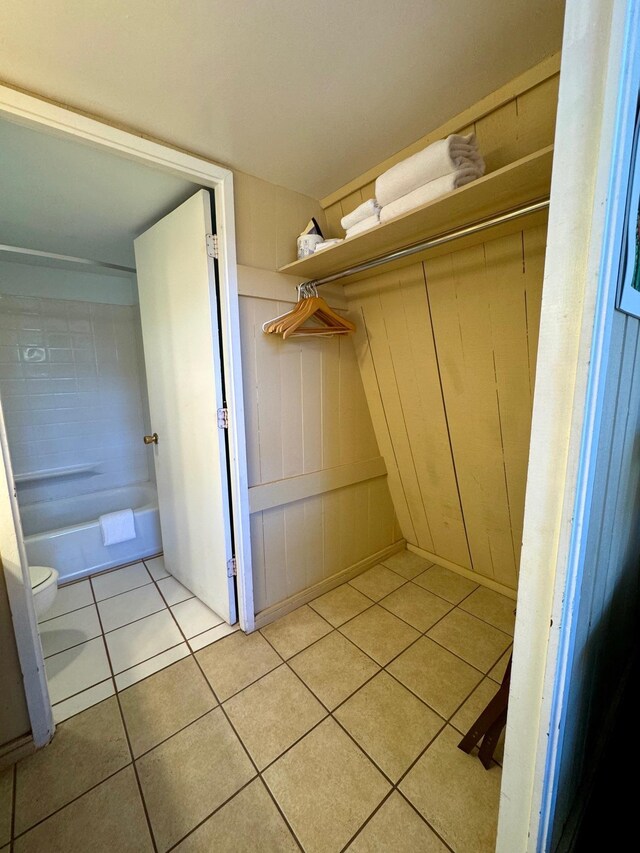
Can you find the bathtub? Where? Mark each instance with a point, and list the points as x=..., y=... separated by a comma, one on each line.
x=65, y=534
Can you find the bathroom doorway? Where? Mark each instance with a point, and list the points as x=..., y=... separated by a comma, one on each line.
x=204, y=541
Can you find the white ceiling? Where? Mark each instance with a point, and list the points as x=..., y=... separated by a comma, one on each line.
x=303, y=94
x=66, y=197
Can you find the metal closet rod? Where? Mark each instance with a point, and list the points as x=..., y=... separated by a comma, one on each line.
x=448, y=237
x=19, y=250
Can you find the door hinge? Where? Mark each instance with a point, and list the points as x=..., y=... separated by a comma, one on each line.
x=223, y=418
x=232, y=568
x=212, y=245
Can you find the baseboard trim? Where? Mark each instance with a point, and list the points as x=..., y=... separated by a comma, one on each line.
x=275, y=611
x=15, y=750
x=466, y=573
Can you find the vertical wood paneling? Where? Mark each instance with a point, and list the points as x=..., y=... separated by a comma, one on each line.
x=331, y=403
x=305, y=410
x=408, y=327
x=514, y=284
x=308, y=541
x=497, y=136
x=479, y=300
x=311, y=403
x=381, y=427
x=460, y=308
x=382, y=359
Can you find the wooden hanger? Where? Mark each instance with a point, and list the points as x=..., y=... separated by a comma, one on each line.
x=309, y=307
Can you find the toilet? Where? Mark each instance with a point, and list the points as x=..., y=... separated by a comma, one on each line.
x=44, y=585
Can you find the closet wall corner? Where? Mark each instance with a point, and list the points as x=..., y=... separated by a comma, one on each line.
x=447, y=350
x=320, y=506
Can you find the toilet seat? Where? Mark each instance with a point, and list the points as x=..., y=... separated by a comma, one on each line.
x=39, y=576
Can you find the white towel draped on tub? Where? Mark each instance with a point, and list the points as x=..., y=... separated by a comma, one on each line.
x=363, y=211
x=117, y=527
x=429, y=192
x=443, y=157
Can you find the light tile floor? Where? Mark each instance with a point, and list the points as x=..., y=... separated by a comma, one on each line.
x=333, y=729
x=109, y=631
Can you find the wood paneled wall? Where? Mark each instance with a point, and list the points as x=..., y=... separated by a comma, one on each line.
x=447, y=351
x=306, y=412
x=510, y=123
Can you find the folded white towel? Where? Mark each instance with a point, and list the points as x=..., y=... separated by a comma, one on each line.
x=327, y=244
x=364, y=225
x=443, y=157
x=429, y=192
x=363, y=211
x=117, y=527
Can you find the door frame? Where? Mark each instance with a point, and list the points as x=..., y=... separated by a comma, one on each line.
x=599, y=75
x=47, y=117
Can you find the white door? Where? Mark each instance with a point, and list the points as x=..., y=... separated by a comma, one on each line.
x=179, y=312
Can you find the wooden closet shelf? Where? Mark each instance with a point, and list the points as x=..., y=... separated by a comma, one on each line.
x=526, y=180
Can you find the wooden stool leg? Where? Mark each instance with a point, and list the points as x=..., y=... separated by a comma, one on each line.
x=490, y=740
x=490, y=723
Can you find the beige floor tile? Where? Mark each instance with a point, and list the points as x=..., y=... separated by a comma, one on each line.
x=380, y=634
x=446, y=584
x=326, y=788
x=109, y=817
x=407, y=564
x=377, y=582
x=85, y=750
x=154, y=709
x=437, y=676
x=273, y=713
x=248, y=823
x=471, y=639
x=333, y=668
x=188, y=776
x=494, y=608
x=397, y=827
x=466, y=716
x=456, y=795
x=498, y=671
x=6, y=804
x=294, y=632
x=236, y=661
x=389, y=723
x=340, y=604
x=417, y=606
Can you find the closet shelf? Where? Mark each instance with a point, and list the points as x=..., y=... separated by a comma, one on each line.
x=525, y=180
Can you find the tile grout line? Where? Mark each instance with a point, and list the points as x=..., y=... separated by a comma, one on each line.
x=126, y=731
x=76, y=798
x=485, y=675
x=359, y=747
x=244, y=747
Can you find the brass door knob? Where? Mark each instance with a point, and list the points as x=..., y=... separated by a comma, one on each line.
x=151, y=439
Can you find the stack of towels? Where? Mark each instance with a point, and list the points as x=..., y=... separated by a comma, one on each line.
x=436, y=170
x=364, y=217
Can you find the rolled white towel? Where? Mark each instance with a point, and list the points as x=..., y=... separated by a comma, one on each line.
x=327, y=244
x=368, y=208
x=428, y=192
x=364, y=225
x=442, y=158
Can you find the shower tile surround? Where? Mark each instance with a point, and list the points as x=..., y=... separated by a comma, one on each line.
x=111, y=630
x=234, y=746
x=74, y=394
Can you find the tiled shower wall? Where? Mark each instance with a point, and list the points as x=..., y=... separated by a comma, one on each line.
x=74, y=395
